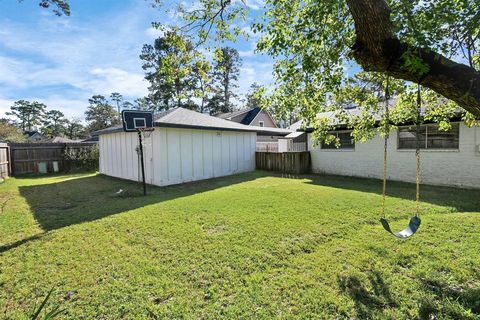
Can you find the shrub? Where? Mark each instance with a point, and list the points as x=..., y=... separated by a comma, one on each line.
x=83, y=158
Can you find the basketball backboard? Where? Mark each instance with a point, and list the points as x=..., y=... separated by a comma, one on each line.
x=135, y=120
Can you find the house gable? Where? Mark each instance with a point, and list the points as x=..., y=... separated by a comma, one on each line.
x=263, y=116
x=251, y=117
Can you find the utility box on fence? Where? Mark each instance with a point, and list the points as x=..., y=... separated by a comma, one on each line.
x=42, y=167
x=55, y=166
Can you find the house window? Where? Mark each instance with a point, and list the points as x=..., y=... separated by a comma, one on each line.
x=346, y=141
x=430, y=137
x=260, y=123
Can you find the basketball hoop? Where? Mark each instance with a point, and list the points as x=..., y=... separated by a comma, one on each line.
x=146, y=132
x=142, y=123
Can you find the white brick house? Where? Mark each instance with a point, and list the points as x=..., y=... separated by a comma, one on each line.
x=451, y=159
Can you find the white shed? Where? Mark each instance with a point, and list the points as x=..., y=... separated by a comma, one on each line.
x=185, y=146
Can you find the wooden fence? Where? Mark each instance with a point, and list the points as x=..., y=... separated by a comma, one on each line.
x=282, y=145
x=286, y=162
x=4, y=161
x=297, y=147
x=267, y=146
x=29, y=157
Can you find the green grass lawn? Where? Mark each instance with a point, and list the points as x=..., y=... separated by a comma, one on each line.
x=254, y=245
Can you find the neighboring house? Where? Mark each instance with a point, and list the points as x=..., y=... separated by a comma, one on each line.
x=447, y=158
x=93, y=138
x=185, y=146
x=250, y=117
x=34, y=136
x=61, y=140
x=296, y=126
x=293, y=142
x=256, y=117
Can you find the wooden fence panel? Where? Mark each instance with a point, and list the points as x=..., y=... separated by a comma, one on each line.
x=286, y=162
x=25, y=157
x=4, y=161
x=267, y=146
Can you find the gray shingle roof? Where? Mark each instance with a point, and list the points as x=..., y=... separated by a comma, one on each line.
x=184, y=118
x=232, y=114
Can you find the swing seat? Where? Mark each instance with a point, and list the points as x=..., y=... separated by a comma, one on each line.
x=405, y=233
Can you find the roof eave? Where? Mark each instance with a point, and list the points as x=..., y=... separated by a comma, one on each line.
x=377, y=124
x=188, y=126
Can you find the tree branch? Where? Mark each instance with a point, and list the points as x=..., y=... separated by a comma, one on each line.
x=378, y=49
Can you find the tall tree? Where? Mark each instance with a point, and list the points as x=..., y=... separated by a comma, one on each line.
x=226, y=70
x=254, y=96
x=215, y=105
x=168, y=65
x=74, y=129
x=143, y=103
x=127, y=105
x=118, y=99
x=203, y=87
x=100, y=113
x=28, y=114
x=53, y=123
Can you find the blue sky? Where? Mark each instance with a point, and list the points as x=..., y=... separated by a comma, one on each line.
x=63, y=61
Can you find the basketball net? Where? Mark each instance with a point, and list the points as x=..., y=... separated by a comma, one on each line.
x=146, y=142
x=146, y=134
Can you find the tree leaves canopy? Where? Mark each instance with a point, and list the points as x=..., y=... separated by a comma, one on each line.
x=315, y=44
x=100, y=113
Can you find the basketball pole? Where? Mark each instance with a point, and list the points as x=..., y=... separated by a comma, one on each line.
x=141, y=160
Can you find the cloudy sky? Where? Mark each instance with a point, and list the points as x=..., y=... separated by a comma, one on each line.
x=63, y=61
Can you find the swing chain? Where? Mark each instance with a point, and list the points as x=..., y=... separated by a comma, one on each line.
x=417, y=151
x=385, y=148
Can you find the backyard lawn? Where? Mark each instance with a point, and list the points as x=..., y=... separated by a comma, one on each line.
x=253, y=245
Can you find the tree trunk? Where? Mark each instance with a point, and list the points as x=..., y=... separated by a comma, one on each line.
x=378, y=49
x=225, y=94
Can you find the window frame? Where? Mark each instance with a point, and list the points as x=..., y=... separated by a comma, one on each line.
x=426, y=148
x=261, y=124
x=340, y=149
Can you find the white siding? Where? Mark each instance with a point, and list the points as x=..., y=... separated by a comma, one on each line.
x=439, y=167
x=117, y=155
x=175, y=156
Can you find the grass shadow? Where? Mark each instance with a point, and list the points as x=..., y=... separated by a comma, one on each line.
x=83, y=199
x=371, y=300
x=461, y=200
x=372, y=297
x=463, y=300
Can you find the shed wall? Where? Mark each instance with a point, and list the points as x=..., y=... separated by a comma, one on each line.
x=439, y=167
x=174, y=156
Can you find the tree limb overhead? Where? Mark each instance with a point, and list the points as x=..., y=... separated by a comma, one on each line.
x=378, y=49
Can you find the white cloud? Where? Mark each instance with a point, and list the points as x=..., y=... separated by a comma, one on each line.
x=22, y=74
x=251, y=72
x=154, y=32
x=70, y=107
x=252, y=4
x=246, y=53
x=252, y=35
x=5, y=105
x=64, y=61
x=117, y=80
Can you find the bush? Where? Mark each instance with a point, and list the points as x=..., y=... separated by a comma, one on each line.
x=81, y=158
